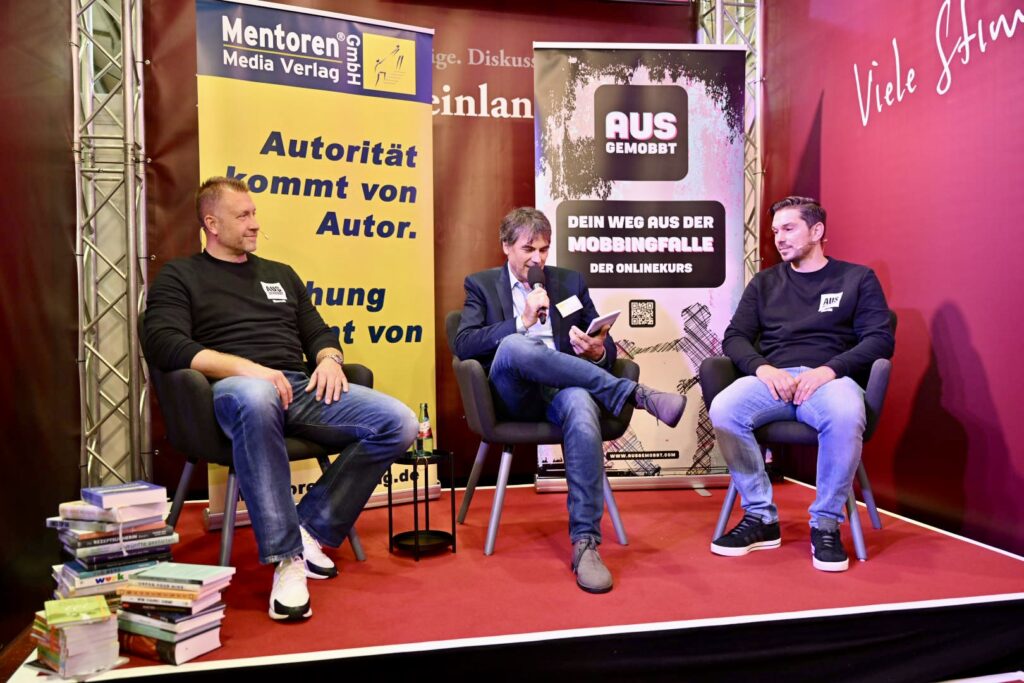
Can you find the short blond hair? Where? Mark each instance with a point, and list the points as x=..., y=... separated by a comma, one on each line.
x=210, y=192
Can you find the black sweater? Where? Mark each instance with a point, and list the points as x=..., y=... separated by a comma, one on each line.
x=258, y=310
x=793, y=322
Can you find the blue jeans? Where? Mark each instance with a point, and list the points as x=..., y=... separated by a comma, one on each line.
x=370, y=429
x=835, y=410
x=534, y=382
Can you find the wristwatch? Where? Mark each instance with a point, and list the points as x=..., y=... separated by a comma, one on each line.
x=337, y=358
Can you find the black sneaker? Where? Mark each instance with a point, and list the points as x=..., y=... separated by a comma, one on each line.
x=827, y=551
x=750, y=534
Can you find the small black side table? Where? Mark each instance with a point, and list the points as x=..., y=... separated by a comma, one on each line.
x=426, y=540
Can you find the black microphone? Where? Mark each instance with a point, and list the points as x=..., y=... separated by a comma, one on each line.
x=535, y=278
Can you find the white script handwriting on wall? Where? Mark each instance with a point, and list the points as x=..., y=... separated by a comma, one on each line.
x=957, y=35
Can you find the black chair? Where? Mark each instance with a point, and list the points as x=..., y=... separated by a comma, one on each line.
x=478, y=403
x=718, y=372
x=186, y=400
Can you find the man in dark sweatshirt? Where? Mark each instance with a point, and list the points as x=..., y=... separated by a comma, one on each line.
x=247, y=323
x=806, y=331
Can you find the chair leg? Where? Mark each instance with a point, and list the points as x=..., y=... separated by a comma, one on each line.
x=855, y=529
x=357, y=545
x=474, y=477
x=227, y=532
x=869, y=497
x=727, y=505
x=499, y=499
x=613, y=512
x=179, y=494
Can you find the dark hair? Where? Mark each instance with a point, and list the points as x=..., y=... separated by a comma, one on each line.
x=211, y=190
x=525, y=219
x=810, y=210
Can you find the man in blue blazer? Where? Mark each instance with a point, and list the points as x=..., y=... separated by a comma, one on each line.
x=543, y=366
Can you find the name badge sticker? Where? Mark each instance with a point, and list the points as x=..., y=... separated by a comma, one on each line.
x=275, y=292
x=829, y=302
x=569, y=306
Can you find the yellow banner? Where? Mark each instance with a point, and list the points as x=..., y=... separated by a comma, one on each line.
x=328, y=121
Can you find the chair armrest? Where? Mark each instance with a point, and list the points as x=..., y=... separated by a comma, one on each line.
x=874, y=393
x=186, y=401
x=614, y=426
x=358, y=374
x=477, y=400
x=716, y=373
x=451, y=328
x=626, y=368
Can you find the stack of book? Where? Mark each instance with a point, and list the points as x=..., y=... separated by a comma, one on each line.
x=112, y=533
x=172, y=612
x=76, y=637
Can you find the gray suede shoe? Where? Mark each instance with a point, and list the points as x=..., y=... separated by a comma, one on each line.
x=664, y=406
x=591, y=574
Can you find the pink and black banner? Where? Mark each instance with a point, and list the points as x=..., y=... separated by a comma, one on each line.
x=639, y=167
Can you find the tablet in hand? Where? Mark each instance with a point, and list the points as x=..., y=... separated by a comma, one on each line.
x=597, y=323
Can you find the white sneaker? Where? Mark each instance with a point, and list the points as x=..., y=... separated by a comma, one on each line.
x=289, y=598
x=318, y=565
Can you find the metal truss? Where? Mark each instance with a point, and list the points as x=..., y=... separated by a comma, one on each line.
x=741, y=23
x=110, y=240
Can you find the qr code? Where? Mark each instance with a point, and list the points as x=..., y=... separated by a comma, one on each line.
x=641, y=313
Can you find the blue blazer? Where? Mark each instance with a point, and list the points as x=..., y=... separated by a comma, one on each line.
x=488, y=316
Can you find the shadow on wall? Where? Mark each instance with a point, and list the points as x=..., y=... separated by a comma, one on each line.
x=953, y=455
x=931, y=456
x=807, y=182
x=991, y=485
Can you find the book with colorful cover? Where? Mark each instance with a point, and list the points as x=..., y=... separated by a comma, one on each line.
x=113, y=550
x=95, y=660
x=122, y=559
x=162, y=634
x=85, y=525
x=77, y=574
x=64, y=591
x=175, y=622
x=181, y=573
x=89, y=539
x=73, y=639
x=186, y=606
x=124, y=495
x=167, y=652
x=81, y=510
x=180, y=591
x=75, y=611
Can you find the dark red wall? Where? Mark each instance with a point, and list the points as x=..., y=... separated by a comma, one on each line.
x=928, y=193
x=39, y=418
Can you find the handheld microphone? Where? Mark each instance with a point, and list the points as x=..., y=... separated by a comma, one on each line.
x=535, y=278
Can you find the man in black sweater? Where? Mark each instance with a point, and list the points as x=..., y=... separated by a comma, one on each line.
x=245, y=323
x=804, y=333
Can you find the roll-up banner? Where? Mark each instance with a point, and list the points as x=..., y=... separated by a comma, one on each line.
x=327, y=118
x=639, y=167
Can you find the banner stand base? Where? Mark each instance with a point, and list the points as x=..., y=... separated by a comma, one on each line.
x=671, y=481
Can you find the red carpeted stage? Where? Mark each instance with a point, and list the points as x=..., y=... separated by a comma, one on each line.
x=925, y=606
